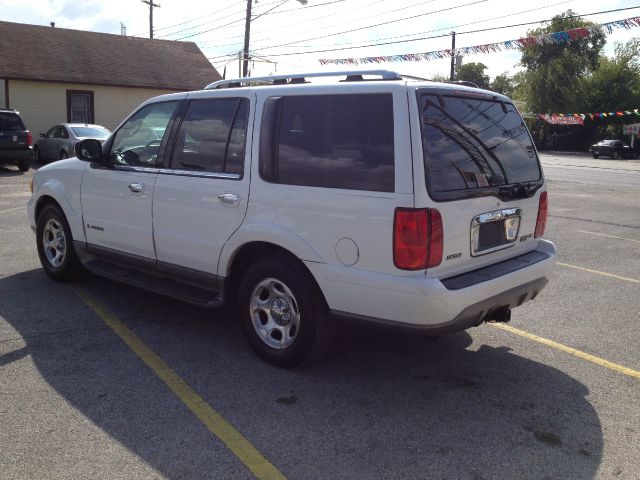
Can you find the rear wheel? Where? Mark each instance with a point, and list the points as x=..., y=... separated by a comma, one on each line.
x=55, y=246
x=284, y=315
x=24, y=164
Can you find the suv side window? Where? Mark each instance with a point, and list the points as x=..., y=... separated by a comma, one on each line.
x=138, y=141
x=212, y=136
x=332, y=141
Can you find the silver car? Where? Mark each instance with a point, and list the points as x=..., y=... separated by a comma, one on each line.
x=60, y=140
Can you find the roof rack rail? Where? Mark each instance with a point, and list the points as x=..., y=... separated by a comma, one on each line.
x=297, y=78
x=464, y=83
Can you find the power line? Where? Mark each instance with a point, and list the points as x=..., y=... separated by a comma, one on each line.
x=457, y=33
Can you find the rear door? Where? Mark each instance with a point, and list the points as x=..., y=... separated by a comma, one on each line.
x=201, y=199
x=481, y=172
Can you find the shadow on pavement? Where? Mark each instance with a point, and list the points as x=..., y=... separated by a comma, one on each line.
x=383, y=405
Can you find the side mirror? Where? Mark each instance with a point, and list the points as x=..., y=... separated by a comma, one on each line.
x=89, y=150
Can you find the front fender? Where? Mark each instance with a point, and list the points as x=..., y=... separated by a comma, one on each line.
x=268, y=233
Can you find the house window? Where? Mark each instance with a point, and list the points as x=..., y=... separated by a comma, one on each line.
x=80, y=106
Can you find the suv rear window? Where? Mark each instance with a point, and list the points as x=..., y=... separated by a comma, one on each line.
x=10, y=122
x=331, y=141
x=473, y=143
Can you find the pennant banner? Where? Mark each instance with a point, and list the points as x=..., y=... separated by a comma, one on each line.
x=555, y=37
x=579, y=118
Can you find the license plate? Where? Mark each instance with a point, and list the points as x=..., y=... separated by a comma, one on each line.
x=493, y=231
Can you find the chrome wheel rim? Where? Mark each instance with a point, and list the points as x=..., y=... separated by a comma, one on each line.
x=54, y=242
x=275, y=315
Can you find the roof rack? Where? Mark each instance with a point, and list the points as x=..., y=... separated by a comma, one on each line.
x=296, y=78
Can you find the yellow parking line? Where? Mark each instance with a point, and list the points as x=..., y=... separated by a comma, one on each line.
x=221, y=428
x=558, y=346
x=626, y=279
x=11, y=209
x=609, y=236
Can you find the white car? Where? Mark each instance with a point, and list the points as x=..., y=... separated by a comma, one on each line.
x=375, y=198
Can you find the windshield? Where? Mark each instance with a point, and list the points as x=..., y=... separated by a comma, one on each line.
x=10, y=122
x=91, y=132
x=472, y=143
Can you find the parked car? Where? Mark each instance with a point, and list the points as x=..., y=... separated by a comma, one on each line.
x=407, y=203
x=60, y=140
x=615, y=149
x=15, y=140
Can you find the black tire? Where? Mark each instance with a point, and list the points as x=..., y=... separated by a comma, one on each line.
x=63, y=155
x=315, y=331
x=24, y=164
x=595, y=155
x=36, y=155
x=69, y=268
x=616, y=156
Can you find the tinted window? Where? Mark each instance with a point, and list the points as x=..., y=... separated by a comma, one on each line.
x=10, y=122
x=334, y=141
x=138, y=140
x=212, y=136
x=90, y=132
x=471, y=143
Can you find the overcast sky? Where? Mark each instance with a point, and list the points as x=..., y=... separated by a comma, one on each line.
x=290, y=27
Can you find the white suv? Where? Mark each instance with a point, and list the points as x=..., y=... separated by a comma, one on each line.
x=376, y=198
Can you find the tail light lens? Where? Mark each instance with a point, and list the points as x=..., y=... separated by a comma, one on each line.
x=417, y=238
x=29, y=139
x=543, y=209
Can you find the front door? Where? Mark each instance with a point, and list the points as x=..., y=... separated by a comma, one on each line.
x=117, y=197
x=202, y=198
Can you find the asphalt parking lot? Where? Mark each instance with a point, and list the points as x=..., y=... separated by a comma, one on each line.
x=100, y=380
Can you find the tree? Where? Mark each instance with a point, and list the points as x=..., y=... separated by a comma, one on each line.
x=556, y=71
x=504, y=84
x=473, y=72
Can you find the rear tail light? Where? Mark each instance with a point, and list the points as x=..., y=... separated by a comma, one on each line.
x=29, y=139
x=417, y=238
x=543, y=209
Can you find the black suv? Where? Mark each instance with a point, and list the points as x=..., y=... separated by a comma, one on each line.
x=15, y=140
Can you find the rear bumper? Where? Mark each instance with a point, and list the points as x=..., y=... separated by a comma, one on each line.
x=426, y=304
x=15, y=155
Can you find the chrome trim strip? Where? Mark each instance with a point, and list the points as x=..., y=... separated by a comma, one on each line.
x=181, y=173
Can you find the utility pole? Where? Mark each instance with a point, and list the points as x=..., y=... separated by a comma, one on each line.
x=151, y=5
x=247, y=28
x=453, y=55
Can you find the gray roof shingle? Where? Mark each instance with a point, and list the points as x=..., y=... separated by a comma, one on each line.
x=32, y=52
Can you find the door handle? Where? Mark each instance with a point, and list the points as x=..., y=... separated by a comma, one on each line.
x=136, y=188
x=229, y=199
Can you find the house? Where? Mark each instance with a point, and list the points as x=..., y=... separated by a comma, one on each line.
x=55, y=75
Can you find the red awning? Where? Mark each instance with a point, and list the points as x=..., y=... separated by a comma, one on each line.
x=562, y=120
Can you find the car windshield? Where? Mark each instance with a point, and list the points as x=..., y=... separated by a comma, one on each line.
x=91, y=132
x=606, y=142
x=471, y=142
x=10, y=122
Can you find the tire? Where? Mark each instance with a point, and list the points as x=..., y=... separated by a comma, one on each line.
x=24, y=164
x=595, y=155
x=36, y=155
x=616, y=156
x=63, y=155
x=55, y=246
x=281, y=295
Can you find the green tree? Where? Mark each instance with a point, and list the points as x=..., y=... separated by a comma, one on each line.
x=556, y=71
x=504, y=84
x=473, y=72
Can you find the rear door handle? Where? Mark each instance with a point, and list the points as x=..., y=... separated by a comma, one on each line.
x=136, y=188
x=229, y=199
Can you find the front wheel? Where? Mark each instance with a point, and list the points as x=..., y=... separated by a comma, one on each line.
x=284, y=315
x=595, y=155
x=616, y=156
x=55, y=246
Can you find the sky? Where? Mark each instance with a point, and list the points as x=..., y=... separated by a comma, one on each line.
x=288, y=37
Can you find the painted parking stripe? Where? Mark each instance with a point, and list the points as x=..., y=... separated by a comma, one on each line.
x=572, y=351
x=14, y=209
x=609, y=236
x=215, y=423
x=626, y=279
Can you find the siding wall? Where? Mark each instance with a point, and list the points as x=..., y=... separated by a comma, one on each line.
x=42, y=105
x=2, y=99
